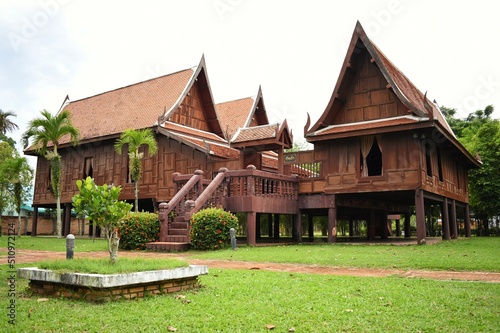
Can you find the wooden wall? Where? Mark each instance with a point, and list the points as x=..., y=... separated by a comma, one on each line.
x=110, y=167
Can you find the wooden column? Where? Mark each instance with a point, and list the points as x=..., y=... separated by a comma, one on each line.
x=420, y=213
x=445, y=220
x=270, y=225
x=453, y=217
x=332, y=219
x=382, y=222
x=35, y=221
x=251, y=217
x=407, y=225
x=351, y=228
x=371, y=227
x=281, y=160
x=276, y=218
x=467, y=220
x=310, y=226
x=398, y=228
x=297, y=223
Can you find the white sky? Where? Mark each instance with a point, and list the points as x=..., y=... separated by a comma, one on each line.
x=294, y=49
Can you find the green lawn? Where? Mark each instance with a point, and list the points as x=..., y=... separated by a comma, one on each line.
x=248, y=300
x=84, y=244
x=473, y=254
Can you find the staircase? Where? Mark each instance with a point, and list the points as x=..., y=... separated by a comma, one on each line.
x=193, y=195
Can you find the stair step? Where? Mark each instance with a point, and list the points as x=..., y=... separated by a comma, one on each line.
x=178, y=225
x=168, y=246
x=172, y=231
x=177, y=238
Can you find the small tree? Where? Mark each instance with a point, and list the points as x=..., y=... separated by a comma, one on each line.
x=19, y=174
x=101, y=205
x=135, y=139
x=46, y=132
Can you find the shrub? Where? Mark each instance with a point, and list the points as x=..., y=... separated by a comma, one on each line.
x=137, y=229
x=210, y=228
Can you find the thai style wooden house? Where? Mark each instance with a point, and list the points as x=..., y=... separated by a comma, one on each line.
x=381, y=149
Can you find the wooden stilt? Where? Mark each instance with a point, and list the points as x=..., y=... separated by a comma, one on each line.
x=445, y=223
x=420, y=213
x=467, y=221
x=251, y=230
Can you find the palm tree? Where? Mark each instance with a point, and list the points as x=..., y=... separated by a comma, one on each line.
x=135, y=139
x=46, y=132
x=6, y=125
x=19, y=173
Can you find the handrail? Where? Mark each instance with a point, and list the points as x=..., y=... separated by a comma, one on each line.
x=192, y=182
x=193, y=206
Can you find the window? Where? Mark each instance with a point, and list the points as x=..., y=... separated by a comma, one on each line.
x=428, y=163
x=371, y=156
x=440, y=165
x=88, y=167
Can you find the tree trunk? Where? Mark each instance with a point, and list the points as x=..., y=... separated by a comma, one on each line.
x=19, y=224
x=58, y=213
x=136, y=194
x=113, y=247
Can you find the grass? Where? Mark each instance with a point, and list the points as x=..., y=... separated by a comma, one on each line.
x=472, y=254
x=247, y=301
x=104, y=266
x=56, y=244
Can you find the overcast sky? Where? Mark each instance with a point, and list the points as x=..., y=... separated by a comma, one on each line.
x=293, y=49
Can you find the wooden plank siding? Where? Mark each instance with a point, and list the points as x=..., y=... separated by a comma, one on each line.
x=112, y=168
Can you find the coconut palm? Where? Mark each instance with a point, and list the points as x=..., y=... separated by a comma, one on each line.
x=135, y=139
x=19, y=174
x=6, y=125
x=46, y=132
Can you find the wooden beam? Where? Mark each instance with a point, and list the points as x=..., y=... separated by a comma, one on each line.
x=420, y=213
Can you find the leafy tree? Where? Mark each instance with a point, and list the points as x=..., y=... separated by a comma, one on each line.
x=18, y=172
x=101, y=205
x=47, y=131
x=135, y=139
x=481, y=136
x=6, y=152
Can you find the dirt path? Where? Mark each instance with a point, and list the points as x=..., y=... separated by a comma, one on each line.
x=26, y=256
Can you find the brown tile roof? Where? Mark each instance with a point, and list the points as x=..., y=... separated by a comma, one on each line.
x=234, y=114
x=255, y=133
x=193, y=132
x=132, y=107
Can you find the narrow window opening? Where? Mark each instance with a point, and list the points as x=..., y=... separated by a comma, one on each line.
x=428, y=163
x=440, y=165
x=371, y=157
x=88, y=167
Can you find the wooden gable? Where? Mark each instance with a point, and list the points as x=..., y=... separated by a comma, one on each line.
x=195, y=107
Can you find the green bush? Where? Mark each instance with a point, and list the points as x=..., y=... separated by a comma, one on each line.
x=137, y=229
x=210, y=228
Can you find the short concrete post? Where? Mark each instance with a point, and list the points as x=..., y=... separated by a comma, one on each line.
x=70, y=246
x=232, y=233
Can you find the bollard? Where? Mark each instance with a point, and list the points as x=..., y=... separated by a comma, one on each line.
x=70, y=246
x=232, y=233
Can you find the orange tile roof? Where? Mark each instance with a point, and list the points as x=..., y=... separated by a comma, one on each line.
x=234, y=114
x=189, y=131
x=255, y=133
x=132, y=107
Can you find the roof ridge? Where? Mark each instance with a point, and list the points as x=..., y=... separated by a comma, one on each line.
x=133, y=84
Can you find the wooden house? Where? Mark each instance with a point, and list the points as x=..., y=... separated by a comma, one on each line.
x=382, y=148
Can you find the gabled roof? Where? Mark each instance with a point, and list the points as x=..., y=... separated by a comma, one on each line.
x=135, y=106
x=264, y=137
x=421, y=112
x=140, y=105
x=413, y=99
x=244, y=112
